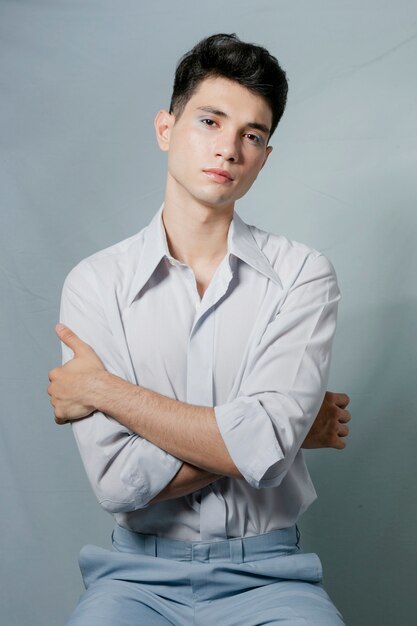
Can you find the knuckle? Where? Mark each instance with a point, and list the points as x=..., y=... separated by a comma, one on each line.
x=59, y=419
x=343, y=400
x=336, y=430
x=338, y=414
x=334, y=411
x=53, y=374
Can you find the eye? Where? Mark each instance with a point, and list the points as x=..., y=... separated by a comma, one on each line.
x=253, y=138
x=207, y=121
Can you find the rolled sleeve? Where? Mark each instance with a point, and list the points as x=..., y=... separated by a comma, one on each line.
x=243, y=426
x=285, y=379
x=124, y=470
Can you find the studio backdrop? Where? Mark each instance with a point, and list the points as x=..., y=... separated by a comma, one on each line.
x=80, y=169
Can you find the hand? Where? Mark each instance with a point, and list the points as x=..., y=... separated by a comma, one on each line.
x=71, y=385
x=329, y=427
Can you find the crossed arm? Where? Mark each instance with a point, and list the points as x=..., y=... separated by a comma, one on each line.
x=188, y=432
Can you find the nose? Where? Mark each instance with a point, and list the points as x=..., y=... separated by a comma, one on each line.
x=227, y=147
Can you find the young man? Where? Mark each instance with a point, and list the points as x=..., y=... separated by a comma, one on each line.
x=199, y=363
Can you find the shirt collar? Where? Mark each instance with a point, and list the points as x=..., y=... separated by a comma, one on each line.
x=155, y=248
x=240, y=242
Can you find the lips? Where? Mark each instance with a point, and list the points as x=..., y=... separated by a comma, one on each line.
x=218, y=175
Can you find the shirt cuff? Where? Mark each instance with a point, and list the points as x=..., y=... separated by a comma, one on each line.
x=155, y=472
x=250, y=439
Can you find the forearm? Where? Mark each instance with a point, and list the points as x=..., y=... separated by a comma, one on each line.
x=188, y=480
x=186, y=431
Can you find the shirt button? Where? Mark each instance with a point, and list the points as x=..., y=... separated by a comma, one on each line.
x=172, y=261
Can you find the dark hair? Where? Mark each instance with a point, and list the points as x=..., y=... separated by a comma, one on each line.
x=227, y=56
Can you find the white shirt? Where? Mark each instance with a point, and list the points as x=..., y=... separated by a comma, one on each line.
x=256, y=347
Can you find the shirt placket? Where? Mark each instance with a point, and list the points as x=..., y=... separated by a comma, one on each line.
x=200, y=367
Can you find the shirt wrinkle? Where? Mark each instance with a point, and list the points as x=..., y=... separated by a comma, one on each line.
x=265, y=322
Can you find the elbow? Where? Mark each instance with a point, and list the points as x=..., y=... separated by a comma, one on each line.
x=112, y=506
x=116, y=496
x=124, y=470
x=121, y=500
x=115, y=506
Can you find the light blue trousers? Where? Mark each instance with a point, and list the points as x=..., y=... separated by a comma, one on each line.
x=150, y=581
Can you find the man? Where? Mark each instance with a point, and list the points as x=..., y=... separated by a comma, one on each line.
x=200, y=361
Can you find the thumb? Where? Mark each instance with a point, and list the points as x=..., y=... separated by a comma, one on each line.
x=67, y=336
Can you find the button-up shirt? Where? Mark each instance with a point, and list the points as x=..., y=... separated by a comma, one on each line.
x=256, y=347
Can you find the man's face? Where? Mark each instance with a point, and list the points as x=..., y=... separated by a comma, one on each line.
x=218, y=145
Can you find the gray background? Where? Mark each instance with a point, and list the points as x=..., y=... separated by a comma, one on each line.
x=80, y=82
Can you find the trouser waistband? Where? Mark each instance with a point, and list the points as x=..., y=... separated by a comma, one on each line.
x=236, y=550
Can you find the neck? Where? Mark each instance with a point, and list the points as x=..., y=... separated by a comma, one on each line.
x=196, y=234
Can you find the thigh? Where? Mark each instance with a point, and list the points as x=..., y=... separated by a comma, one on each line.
x=306, y=603
x=285, y=603
x=118, y=603
x=124, y=589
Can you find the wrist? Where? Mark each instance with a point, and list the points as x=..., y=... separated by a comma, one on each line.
x=98, y=388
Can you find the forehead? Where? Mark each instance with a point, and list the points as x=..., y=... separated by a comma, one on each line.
x=234, y=99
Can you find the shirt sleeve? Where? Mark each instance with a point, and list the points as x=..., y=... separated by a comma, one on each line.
x=285, y=380
x=125, y=470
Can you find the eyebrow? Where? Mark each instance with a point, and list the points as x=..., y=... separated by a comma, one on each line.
x=254, y=125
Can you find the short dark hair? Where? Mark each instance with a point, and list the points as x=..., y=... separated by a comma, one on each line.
x=227, y=56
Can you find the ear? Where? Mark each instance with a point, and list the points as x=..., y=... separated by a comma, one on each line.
x=163, y=123
x=268, y=152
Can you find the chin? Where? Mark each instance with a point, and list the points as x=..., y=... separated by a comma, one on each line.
x=216, y=203
x=215, y=199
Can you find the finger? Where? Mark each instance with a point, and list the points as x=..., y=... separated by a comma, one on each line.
x=341, y=399
x=343, y=431
x=67, y=336
x=340, y=444
x=52, y=374
x=60, y=420
x=344, y=416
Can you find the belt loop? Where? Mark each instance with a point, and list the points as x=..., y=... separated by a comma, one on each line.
x=150, y=545
x=236, y=550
